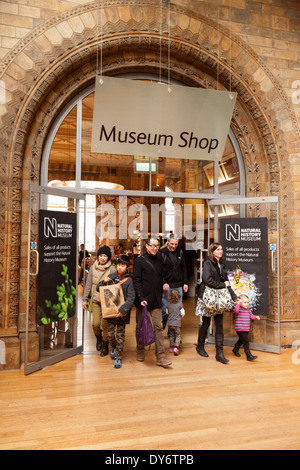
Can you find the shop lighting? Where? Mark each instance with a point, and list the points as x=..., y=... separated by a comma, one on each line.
x=86, y=184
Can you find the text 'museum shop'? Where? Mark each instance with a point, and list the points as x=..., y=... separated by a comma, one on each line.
x=121, y=119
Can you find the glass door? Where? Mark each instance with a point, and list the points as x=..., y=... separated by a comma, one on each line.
x=54, y=321
x=124, y=220
x=248, y=229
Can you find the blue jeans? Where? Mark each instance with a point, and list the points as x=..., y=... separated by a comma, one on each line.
x=165, y=303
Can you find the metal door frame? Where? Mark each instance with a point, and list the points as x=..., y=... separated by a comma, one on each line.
x=45, y=191
x=220, y=200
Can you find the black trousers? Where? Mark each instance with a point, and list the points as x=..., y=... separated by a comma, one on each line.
x=243, y=340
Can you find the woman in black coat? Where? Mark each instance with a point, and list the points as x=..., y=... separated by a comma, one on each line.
x=214, y=275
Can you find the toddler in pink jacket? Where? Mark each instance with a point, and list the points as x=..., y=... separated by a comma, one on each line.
x=243, y=317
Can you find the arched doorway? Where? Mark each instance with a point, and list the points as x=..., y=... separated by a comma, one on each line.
x=68, y=162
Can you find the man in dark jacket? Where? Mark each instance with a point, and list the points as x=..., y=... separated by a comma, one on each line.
x=148, y=282
x=175, y=273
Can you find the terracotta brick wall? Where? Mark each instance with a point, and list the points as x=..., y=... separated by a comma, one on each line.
x=270, y=27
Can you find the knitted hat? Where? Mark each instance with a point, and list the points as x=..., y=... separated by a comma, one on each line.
x=104, y=250
x=124, y=259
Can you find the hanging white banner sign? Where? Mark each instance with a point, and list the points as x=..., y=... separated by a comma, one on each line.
x=143, y=118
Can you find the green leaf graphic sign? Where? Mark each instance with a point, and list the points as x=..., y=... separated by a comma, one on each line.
x=57, y=267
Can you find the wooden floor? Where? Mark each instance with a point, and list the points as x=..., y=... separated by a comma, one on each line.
x=84, y=403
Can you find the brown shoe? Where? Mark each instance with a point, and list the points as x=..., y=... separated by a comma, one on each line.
x=163, y=362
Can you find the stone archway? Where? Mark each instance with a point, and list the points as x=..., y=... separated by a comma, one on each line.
x=51, y=64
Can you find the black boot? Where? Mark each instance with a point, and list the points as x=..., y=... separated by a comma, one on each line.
x=236, y=351
x=200, y=345
x=220, y=357
x=249, y=356
x=219, y=349
x=200, y=350
x=99, y=342
x=104, y=349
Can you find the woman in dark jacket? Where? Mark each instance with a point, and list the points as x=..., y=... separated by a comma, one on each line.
x=123, y=316
x=214, y=275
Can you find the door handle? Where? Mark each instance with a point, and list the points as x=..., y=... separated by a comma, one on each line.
x=273, y=261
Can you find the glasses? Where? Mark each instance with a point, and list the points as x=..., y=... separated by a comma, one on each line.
x=154, y=246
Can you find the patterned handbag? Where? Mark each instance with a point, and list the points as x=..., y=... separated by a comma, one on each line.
x=217, y=299
x=200, y=308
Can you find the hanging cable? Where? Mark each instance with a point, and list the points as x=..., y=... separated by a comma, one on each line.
x=218, y=48
x=99, y=40
x=160, y=42
x=169, y=48
x=230, y=45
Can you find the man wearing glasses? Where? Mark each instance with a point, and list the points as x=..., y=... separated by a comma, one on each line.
x=148, y=282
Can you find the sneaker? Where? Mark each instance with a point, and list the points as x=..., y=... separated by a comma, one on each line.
x=176, y=351
x=118, y=363
x=113, y=353
x=164, y=362
x=171, y=349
